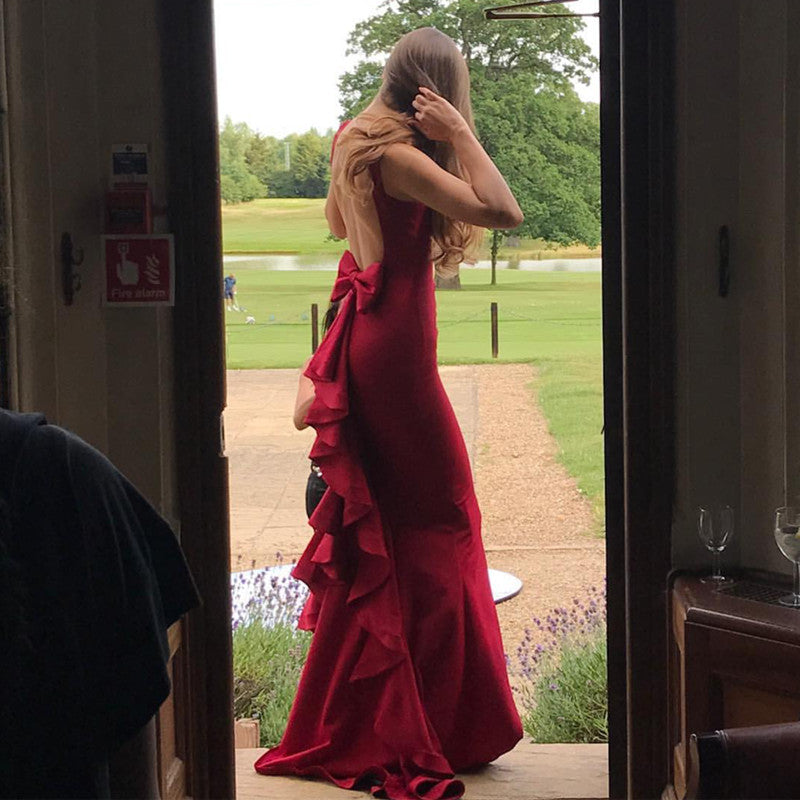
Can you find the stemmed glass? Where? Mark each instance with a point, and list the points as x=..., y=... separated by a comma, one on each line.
x=715, y=528
x=787, y=535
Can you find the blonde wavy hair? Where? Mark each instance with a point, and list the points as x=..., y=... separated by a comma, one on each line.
x=424, y=57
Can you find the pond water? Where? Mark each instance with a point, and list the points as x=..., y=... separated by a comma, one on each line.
x=289, y=263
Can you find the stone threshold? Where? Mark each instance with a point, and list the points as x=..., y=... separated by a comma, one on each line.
x=528, y=772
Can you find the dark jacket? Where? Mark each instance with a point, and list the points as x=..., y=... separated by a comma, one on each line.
x=94, y=577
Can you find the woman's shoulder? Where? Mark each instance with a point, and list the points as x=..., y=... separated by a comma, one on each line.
x=402, y=160
x=405, y=153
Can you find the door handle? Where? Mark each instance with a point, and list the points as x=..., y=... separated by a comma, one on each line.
x=70, y=257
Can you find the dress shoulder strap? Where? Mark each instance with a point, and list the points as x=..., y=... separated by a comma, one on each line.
x=337, y=134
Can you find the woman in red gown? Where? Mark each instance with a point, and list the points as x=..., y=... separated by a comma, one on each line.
x=406, y=680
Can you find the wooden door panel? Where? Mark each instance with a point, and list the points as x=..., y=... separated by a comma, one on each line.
x=171, y=723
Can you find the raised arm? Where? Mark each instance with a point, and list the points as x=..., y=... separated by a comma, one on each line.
x=408, y=174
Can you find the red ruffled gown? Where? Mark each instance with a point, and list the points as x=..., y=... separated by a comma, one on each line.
x=406, y=679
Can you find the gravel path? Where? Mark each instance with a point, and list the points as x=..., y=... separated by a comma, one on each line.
x=536, y=524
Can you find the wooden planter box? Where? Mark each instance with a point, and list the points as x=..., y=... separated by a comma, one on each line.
x=246, y=733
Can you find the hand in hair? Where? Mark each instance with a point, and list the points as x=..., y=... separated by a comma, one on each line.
x=435, y=117
x=482, y=198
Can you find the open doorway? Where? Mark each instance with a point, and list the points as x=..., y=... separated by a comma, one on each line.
x=532, y=417
x=638, y=530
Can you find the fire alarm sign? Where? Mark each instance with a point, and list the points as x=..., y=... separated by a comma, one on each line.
x=140, y=270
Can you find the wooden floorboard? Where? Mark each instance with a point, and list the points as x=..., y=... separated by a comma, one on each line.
x=529, y=772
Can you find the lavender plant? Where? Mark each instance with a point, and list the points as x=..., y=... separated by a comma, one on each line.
x=268, y=649
x=270, y=595
x=560, y=673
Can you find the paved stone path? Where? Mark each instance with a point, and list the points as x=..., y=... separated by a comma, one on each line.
x=536, y=524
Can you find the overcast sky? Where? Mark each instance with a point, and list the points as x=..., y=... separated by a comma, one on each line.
x=279, y=61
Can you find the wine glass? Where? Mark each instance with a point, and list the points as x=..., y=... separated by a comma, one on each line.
x=715, y=528
x=787, y=535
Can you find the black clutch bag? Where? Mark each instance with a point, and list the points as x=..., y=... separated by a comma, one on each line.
x=315, y=488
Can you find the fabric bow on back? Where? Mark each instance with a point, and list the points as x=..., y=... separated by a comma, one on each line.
x=366, y=283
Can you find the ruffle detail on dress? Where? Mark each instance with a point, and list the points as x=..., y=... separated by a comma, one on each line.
x=348, y=544
x=349, y=547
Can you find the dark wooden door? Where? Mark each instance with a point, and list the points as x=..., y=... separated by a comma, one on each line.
x=637, y=84
x=206, y=717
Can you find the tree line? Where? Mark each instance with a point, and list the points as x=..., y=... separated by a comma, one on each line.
x=252, y=165
x=543, y=137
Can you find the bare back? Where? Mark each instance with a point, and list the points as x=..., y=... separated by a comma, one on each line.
x=357, y=208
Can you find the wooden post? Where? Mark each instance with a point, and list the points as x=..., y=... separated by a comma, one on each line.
x=494, y=331
x=314, y=327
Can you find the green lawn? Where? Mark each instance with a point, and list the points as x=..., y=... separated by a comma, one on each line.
x=297, y=225
x=550, y=319
x=291, y=225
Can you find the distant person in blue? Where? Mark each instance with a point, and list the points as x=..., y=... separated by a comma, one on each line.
x=229, y=292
